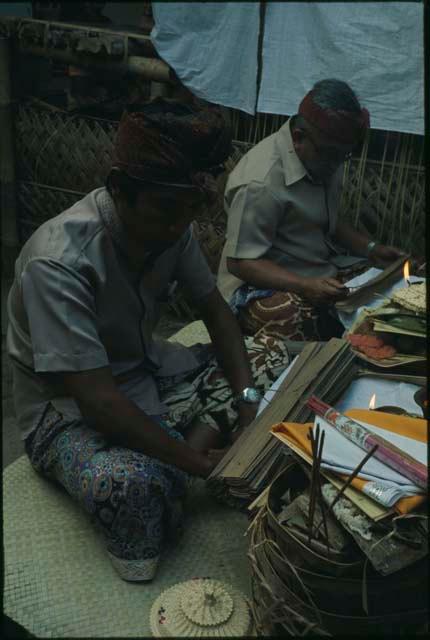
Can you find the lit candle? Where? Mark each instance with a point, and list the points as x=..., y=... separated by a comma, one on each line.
x=406, y=272
x=372, y=402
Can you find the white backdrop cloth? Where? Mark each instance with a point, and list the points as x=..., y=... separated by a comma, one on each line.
x=376, y=47
x=212, y=46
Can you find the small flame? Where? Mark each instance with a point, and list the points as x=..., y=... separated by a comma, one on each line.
x=406, y=270
x=372, y=402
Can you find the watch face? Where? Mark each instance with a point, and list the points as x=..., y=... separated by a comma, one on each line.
x=251, y=395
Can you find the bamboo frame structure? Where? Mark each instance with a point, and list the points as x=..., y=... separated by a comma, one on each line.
x=149, y=68
x=8, y=201
x=89, y=47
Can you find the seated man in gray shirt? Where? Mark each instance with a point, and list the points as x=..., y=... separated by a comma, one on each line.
x=119, y=418
x=280, y=267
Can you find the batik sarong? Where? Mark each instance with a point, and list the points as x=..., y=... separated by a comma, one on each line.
x=286, y=315
x=136, y=500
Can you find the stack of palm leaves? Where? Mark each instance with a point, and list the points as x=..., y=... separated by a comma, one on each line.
x=395, y=332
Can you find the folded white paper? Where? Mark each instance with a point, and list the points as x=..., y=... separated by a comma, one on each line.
x=385, y=485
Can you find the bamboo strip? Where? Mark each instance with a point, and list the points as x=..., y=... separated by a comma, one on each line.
x=398, y=187
x=378, y=200
x=361, y=165
x=8, y=201
x=405, y=185
x=390, y=182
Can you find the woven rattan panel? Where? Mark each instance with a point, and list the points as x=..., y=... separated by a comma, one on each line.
x=62, y=150
x=388, y=202
x=58, y=580
x=36, y=204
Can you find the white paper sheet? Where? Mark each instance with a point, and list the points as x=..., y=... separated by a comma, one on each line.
x=386, y=485
x=348, y=319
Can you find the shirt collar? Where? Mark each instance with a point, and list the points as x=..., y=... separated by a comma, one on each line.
x=294, y=169
x=114, y=224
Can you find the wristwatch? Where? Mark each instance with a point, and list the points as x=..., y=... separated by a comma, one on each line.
x=372, y=244
x=250, y=395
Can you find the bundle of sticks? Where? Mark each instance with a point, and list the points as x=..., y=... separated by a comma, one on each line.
x=253, y=461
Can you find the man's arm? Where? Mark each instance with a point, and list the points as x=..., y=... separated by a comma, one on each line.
x=357, y=243
x=351, y=239
x=229, y=347
x=123, y=423
x=265, y=274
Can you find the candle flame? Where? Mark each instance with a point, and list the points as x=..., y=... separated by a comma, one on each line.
x=372, y=401
x=406, y=270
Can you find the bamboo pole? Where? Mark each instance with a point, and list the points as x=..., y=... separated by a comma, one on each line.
x=9, y=224
x=150, y=68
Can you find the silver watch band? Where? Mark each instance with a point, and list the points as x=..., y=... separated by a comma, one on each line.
x=371, y=245
x=249, y=395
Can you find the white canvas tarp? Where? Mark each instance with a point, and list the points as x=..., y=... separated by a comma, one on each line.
x=376, y=47
x=212, y=46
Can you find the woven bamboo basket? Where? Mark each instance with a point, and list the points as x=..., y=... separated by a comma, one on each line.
x=297, y=591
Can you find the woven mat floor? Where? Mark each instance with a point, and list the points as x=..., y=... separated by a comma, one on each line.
x=59, y=582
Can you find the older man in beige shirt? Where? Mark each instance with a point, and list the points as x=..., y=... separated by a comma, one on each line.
x=285, y=257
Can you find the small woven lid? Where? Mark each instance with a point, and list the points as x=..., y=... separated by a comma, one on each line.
x=412, y=297
x=200, y=608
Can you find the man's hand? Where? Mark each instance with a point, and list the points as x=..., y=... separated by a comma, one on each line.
x=247, y=413
x=209, y=461
x=383, y=255
x=215, y=456
x=323, y=290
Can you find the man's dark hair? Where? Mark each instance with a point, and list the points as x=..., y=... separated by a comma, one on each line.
x=336, y=95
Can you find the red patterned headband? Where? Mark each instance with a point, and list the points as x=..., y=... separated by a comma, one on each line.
x=344, y=126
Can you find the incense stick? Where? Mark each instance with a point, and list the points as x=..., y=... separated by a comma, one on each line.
x=322, y=504
x=350, y=478
x=317, y=444
x=314, y=444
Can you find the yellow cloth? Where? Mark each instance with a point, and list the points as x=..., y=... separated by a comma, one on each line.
x=415, y=428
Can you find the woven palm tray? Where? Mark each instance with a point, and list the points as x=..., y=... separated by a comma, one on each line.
x=59, y=582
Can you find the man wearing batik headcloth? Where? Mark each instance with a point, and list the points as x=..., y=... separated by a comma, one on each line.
x=118, y=418
x=287, y=254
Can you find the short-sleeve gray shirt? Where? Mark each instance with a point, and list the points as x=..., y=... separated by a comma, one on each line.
x=77, y=304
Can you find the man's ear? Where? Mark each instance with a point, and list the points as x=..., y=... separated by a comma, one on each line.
x=298, y=135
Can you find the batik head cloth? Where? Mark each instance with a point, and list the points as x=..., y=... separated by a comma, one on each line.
x=346, y=127
x=172, y=142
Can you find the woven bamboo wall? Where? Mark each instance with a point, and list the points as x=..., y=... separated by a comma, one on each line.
x=60, y=157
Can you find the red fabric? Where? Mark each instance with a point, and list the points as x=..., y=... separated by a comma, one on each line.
x=344, y=126
x=171, y=142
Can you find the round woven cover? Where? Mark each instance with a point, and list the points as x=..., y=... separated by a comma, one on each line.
x=412, y=297
x=200, y=608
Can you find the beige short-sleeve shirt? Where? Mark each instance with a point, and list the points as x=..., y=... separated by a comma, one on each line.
x=277, y=212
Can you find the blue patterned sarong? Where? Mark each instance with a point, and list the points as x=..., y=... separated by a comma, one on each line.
x=244, y=294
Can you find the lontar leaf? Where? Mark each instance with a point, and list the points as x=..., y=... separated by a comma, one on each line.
x=324, y=369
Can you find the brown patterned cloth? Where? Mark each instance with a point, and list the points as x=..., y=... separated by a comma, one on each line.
x=288, y=316
x=208, y=395
x=172, y=142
